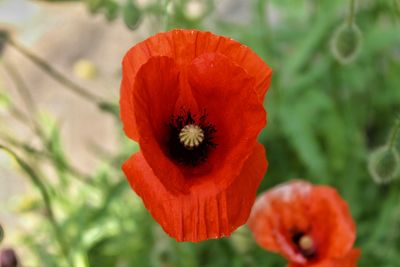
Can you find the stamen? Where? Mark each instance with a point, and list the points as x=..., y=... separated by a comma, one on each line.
x=191, y=136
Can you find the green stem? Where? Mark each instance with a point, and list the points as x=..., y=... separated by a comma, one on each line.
x=395, y=134
x=45, y=154
x=21, y=86
x=25, y=95
x=47, y=202
x=58, y=76
x=352, y=9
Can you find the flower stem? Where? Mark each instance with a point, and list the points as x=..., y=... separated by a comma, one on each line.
x=25, y=95
x=395, y=134
x=58, y=76
x=352, y=9
x=47, y=202
x=20, y=86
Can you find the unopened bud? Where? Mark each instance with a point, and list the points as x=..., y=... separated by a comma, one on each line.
x=8, y=258
x=346, y=43
x=132, y=15
x=384, y=164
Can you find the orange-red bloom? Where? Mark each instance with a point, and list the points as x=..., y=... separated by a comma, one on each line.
x=194, y=102
x=309, y=225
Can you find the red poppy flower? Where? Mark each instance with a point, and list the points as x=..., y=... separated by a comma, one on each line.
x=193, y=101
x=309, y=225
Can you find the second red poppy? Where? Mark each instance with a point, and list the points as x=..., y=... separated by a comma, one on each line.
x=309, y=225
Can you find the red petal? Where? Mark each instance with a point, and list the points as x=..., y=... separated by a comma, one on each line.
x=126, y=102
x=226, y=92
x=154, y=97
x=275, y=212
x=207, y=211
x=350, y=260
x=185, y=45
x=335, y=228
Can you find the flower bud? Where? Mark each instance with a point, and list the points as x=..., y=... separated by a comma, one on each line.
x=8, y=258
x=111, y=10
x=132, y=15
x=384, y=164
x=346, y=43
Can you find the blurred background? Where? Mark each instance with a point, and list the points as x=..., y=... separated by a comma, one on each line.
x=333, y=118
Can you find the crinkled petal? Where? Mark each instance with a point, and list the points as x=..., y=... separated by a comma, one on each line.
x=126, y=105
x=206, y=211
x=156, y=92
x=332, y=221
x=349, y=260
x=275, y=213
x=184, y=46
x=225, y=91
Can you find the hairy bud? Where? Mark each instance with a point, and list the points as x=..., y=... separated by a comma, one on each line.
x=384, y=164
x=346, y=43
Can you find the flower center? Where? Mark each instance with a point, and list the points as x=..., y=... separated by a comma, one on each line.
x=191, y=136
x=305, y=244
x=190, y=140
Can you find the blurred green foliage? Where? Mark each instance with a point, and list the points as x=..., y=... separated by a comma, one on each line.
x=324, y=119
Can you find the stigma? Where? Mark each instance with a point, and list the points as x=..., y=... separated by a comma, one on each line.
x=191, y=136
x=306, y=245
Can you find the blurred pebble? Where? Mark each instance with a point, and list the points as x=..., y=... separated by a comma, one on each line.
x=194, y=9
x=85, y=69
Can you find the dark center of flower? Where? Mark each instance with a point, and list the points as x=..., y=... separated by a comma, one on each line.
x=190, y=140
x=305, y=244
